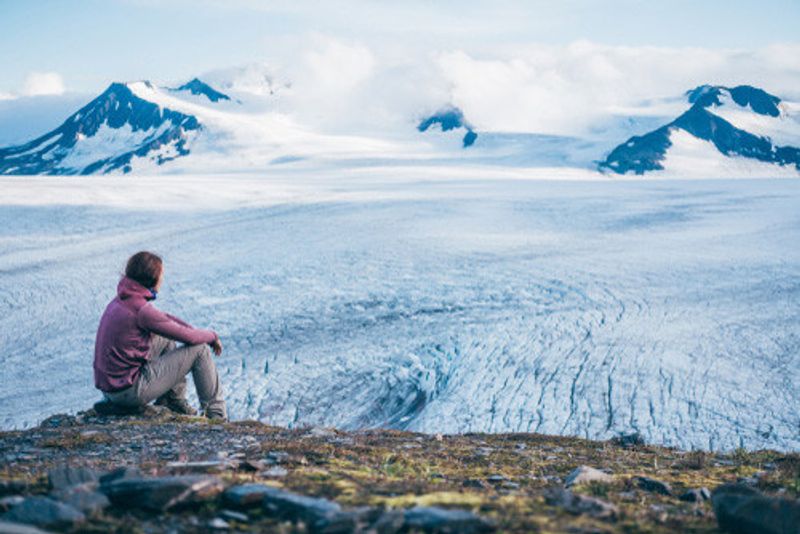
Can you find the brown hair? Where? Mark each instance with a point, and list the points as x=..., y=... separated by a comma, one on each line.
x=144, y=267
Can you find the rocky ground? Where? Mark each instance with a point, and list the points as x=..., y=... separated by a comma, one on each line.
x=163, y=473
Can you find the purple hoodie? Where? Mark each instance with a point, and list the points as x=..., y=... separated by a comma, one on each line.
x=123, y=337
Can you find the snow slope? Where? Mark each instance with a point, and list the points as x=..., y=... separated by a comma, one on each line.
x=444, y=305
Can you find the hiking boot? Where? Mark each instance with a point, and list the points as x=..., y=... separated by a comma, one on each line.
x=216, y=416
x=180, y=406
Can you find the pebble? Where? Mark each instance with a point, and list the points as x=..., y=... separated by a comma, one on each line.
x=696, y=495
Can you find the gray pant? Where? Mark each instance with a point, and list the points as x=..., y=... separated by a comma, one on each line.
x=165, y=375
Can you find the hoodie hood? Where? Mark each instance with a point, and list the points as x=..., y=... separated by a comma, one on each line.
x=128, y=288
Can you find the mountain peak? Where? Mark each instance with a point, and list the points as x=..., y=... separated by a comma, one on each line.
x=758, y=100
x=196, y=86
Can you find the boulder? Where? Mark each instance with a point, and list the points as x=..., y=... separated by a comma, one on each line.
x=45, y=512
x=742, y=509
x=313, y=511
x=120, y=473
x=160, y=494
x=433, y=519
x=7, y=527
x=653, y=485
x=581, y=504
x=64, y=476
x=585, y=474
x=245, y=495
x=10, y=501
x=696, y=495
x=83, y=498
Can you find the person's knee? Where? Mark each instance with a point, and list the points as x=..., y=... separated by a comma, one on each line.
x=201, y=351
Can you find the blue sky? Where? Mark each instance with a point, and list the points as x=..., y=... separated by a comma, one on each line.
x=91, y=42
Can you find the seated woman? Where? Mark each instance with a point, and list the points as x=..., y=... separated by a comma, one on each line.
x=136, y=359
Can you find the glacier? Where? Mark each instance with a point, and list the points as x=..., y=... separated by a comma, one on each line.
x=431, y=302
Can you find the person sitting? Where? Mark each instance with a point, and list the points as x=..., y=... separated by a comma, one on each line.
x=136, y=359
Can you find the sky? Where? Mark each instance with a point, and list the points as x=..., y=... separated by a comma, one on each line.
x=480, y=55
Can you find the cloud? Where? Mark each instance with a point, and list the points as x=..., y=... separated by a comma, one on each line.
x=565, y=89
x=7, y=96
x=43, y=83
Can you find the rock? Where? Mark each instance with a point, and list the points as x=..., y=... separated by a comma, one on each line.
x=105, y=407
x=433, y=519
x=59, y=421
x=64, y=476
x=18, y=528
x=12, y=486
x=45, y=512
x=245, y=495
x=120, y=473
x=315, y=512
x=741, y=509
x=585, y=474
x=496, y=479
x=83, y=498
x=275, y=471
x=231, y=515
x=218, y=524
x=185, y=468
x=390, y=522
x=653, y=485
x=163, y=493
x=581, y=504
x=628, y=440
x=696, y=495
x=6, y=503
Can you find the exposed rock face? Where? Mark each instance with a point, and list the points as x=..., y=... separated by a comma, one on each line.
x=151, y=129
x=641, y=154
x=198, y=87
x=450, y=118
x=744, y=510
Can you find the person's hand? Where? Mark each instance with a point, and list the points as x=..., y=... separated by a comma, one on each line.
x=216, y=346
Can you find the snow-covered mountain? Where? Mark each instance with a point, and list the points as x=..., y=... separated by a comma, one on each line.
x=249, y=119
x=725, y=131
x=110, y=133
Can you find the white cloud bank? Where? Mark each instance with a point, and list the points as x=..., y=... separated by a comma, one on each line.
x=552, y=89
x=43, y=83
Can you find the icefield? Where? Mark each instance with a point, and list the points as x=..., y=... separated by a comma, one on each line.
x=588, y=308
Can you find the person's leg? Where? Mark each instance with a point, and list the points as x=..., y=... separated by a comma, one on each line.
x=161, y=374
x=159, y=346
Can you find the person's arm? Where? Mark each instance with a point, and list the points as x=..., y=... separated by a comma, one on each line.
x=152, y=319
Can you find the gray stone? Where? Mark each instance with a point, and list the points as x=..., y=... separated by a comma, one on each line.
x=185, y=468
x=696, y=495
x=313, y=511
x=7, y=527
x=275, y=471
x=245, y=495
x=653, y=485
x=163, y=493
x=65, y=476
x=581, y=504
x=120, y=473
x=231, y=515
x=433, y=519
x=45, y=512
x=390, y=522
x=741, y=509
x=585, y=474
x=83, y=498
x=6, y=503
x=218, y=524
